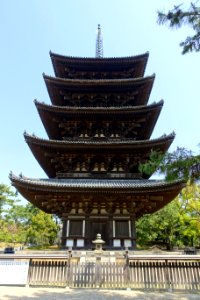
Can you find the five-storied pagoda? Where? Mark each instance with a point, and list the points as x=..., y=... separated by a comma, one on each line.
x=99, y=125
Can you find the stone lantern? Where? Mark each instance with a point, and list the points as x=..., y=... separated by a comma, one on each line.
x=98, y=243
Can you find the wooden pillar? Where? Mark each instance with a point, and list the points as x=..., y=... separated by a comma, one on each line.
x=87, y=232
x=64, y=232
x=133, y=230
x=110, y=231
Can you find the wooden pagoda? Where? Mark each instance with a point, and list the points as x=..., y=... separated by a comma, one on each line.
x=99, y=125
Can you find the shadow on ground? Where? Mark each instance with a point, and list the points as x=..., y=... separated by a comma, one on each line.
x=22, y=293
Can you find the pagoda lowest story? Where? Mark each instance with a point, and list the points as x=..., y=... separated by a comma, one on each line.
x=99, y=125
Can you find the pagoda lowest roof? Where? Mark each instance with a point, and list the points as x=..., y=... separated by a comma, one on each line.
x=105, y=185
x=55, y=195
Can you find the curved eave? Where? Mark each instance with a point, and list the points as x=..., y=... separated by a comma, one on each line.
x=78, y=185
x=52, y=116
x=95, y=144
x=135, y=64
x=41, y=192
x=98, y=64
x=96, y=60
x=66, y=110
x=57, y=86
x=102, y=83
x=45, y=150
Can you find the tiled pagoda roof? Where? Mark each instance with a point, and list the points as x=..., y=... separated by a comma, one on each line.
x=162, y=142
x=98, y=110
x=41, y=192
x=138, y=62
x=53, y=116
x=47, y=150
x=136, y=186
x=101, y=61
x=57, y=87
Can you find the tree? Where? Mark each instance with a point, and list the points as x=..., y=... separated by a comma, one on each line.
x=179, y=164
x=24, y=224
x=190, y=215
x=179, y=16
x=177, y=224
x=7, y=197
x=11, y=215
x=42, y=228
x=160, y=228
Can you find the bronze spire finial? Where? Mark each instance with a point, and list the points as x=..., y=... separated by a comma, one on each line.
x=99, y=43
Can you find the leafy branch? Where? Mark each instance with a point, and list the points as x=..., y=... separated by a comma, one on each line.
x=178, y=17
x=179, y=164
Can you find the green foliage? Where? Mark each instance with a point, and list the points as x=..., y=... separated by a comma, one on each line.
x=24, y=224
x=151, y=166
x=42, y=229
x=190, y=214
x=7, y=197
x=178, y=164
x=160, y=228
x=180, y=16
x=177, y=224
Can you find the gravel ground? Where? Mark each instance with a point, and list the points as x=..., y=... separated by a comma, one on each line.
x=25, y=293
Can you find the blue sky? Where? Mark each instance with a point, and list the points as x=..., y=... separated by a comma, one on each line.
x=30, y=29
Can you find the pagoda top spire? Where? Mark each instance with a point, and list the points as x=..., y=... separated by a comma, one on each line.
x=99, y=43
